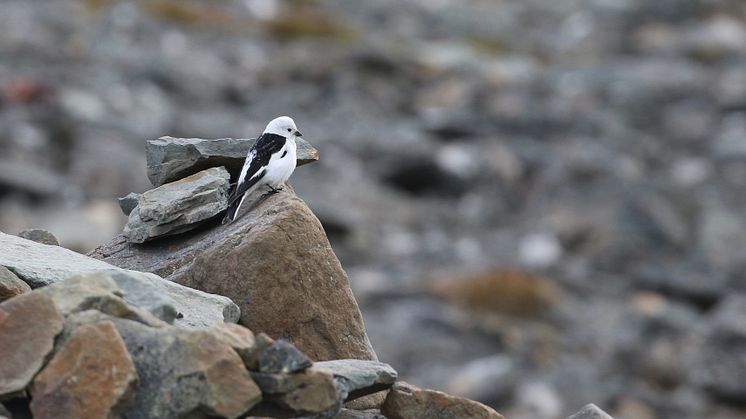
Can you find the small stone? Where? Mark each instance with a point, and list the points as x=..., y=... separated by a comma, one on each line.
x=40, y=236
x=90, y=376
x=178, y=206
x=406, y=401
x=282, y=357
x=129, y=202
x=11, y=285
x=591, y=411
x=172, y=158
x=241, y=339
x=358, y=378
x=28, y=325
x=309, y=392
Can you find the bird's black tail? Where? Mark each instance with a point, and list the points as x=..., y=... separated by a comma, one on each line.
x=230, y=213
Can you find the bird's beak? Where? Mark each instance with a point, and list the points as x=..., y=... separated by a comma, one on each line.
x=298, y=134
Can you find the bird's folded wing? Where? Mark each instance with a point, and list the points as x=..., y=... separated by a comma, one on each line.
x=255, y=166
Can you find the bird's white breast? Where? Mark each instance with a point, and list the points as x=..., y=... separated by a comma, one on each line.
x=280, y=168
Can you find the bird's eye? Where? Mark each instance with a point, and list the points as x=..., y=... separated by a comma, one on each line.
x=290, y=129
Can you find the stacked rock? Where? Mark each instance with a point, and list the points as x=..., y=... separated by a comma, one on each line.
x=192, y=177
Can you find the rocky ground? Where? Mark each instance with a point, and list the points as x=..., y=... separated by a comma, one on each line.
x=537, y=203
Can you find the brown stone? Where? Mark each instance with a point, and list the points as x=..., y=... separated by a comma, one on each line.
x=406, y=401
x=28, y=325
x=309, y=392
x=276, y=263
x=241, y=339
x=90, y=376
x=11, y=285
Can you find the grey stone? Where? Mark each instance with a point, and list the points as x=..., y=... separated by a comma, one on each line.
x=282, y=357
x=358, y=378
x=186, y=373
x=178, y=206
x=128, y=203
x=11, y=285
x=40, y=236
x=360, y=414
x=312, y=391
x=591, y=411
x=174, y=158
x=39, y=265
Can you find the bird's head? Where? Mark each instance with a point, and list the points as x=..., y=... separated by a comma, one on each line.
x=284, y=126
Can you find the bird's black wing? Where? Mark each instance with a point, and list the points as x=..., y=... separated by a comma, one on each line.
x=255, y=168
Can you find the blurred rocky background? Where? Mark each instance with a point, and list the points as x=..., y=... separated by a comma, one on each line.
x=539, y=203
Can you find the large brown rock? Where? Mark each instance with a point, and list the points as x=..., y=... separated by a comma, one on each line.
x=406, y=401
x=28, y=325
x=11, y=285
x=276, y=263
x=90, y=376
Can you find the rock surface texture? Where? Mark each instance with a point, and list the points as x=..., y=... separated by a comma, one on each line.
x=177, y=206
x=274, y=259
x=39, y=265
x=171, y=158
x=11, y=285
x=406, y=401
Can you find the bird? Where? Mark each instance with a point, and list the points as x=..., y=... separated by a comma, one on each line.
x=269, y=162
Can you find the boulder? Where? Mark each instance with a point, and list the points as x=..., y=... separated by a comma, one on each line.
x=11, y=285
x=178, y=206
x=40, y=236
x=406, y=401
x=90, y=376
x=186, y=373
x=591, y=411
x=358, y=378
x=312, y=391
x=39, y=265
x=282, y=357
x=28, y=325
x=171, y=158
x=273, y=259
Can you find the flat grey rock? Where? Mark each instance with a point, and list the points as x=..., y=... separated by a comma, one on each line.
x=178, y=206
x=39, y=265
x=170, y=158
x=40, y=236
x=358, y=377
x=591, y=411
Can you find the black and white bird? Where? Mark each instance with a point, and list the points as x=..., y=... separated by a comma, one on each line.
x=270, y=162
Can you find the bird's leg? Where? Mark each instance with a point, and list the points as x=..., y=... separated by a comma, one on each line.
x=273, y=190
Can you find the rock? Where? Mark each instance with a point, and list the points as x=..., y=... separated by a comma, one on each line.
x=90, y=376
x=239, y=338
x=11, y=285
x=359, y=414
x=40, y=265
x=319, y=313
x=406, y=401
x=148, y=293
x=358, y=378
x=129, y=202
x=186, y=373
x=28, y=325
x=178, y=206
x=174, y=158
x=590, y=411
x=282, y=357
x=309, y=392
x=40, y=236
x=4, y=413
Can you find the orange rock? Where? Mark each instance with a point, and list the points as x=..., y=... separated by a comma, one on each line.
x=406, y=401
x=90, y=376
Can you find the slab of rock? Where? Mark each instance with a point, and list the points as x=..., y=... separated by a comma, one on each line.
x=39, y=265
x=90, y=376
x=171, y=158
x=40, y=236
x=186, y=373
x=312, y=391
x=11, y=285
x=282, y=357
x=406, y=401
x=240, y=260
x=28, y=325
x=178, y=206
x=591, y=411
x=358, y=378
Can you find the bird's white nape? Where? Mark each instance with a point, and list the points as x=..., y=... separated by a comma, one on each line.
x=283, y=125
